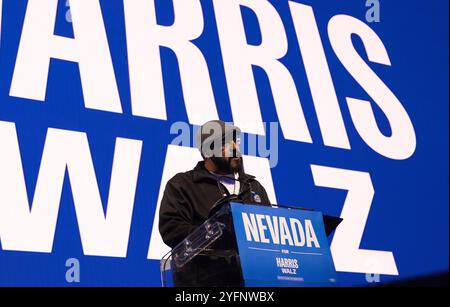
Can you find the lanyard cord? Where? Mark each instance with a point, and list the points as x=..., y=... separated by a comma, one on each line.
x=220, y=183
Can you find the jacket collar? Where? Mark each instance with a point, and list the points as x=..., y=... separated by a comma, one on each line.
x=200, y=173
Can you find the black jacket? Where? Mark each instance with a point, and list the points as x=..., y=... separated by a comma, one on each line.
x=189, y=196
x=186, y=204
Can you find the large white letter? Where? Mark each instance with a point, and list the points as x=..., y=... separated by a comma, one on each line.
x=402, y=142
x=22, y=229
x=319, y=77
x=144, y=39
x=89, y=49
x=251, y=227
x=238, y=58
x=347, y=255
x=310, y=235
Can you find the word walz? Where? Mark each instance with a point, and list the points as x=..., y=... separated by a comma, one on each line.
x=277, y=230
x=144, y=37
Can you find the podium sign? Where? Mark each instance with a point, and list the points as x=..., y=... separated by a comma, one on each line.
x=282, y=247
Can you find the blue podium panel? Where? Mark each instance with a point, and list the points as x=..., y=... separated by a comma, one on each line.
x=282, y=247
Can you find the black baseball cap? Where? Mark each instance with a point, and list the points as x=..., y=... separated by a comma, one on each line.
x=214, y=131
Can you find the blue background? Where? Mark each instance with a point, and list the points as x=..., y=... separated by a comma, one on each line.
x=409, y=214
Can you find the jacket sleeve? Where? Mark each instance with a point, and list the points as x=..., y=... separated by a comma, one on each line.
x=175, y=216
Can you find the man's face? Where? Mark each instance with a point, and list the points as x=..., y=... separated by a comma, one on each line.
x=231, y=159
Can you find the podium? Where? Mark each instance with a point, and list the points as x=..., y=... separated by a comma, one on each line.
x=253, y=245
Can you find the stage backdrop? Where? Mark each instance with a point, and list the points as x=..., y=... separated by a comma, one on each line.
x=93, y=96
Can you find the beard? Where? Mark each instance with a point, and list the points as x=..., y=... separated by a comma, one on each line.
x=228, y=165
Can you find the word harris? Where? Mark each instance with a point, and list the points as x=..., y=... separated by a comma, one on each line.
x=144, y=37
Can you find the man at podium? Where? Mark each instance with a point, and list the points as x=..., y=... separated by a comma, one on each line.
x=189, y=197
